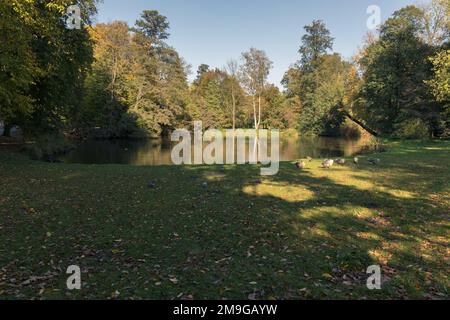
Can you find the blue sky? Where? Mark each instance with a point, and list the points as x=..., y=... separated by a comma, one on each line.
x=213, y=31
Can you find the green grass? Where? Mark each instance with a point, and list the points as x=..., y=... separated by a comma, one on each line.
x=297, y=235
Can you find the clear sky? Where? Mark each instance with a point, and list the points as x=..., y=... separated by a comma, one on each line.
x=213, y=31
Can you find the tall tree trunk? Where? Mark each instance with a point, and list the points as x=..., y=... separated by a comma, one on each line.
x=255, y=116
x=112, y=88
x=139, y=96
x=259, y=110
x=234, y=110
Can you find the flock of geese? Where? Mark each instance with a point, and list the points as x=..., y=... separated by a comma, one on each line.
x=328, y=163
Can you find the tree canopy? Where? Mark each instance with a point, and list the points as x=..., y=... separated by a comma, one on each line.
x=115, y=80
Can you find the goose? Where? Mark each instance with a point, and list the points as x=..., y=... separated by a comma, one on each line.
x=327, y=164
x=300, y=164
x=340, y=162
x=355, y=160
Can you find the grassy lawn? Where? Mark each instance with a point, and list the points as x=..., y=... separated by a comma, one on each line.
x=299, y=235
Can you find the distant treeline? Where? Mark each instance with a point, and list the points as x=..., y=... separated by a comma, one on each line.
x=115, y=80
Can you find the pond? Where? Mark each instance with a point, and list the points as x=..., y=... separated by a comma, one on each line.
x=158, y=151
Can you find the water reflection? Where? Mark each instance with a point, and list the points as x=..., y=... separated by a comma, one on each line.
x=158, y=151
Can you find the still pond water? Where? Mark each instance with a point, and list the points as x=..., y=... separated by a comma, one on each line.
x=158, y=152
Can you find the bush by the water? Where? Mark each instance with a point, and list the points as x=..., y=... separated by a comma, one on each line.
x=47, y=147
x=374, y=144
x=351, y=130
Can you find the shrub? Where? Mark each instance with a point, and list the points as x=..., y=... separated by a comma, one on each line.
x=412, y=129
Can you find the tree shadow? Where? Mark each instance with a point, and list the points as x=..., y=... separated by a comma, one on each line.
x=324, y=242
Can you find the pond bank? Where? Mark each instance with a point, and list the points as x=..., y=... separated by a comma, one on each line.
x=159, y=151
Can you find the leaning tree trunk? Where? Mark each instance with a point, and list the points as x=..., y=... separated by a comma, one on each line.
x=362, y=125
